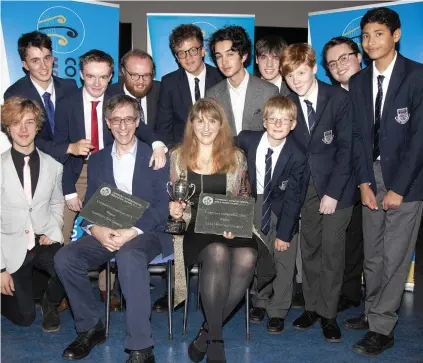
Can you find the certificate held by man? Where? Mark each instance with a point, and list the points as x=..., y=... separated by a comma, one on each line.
x=113, y=208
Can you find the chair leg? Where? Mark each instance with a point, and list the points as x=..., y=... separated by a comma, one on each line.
x=108, y=295
x=169, y=297
x=247, y=313
x=184, y=327
x=198, y=288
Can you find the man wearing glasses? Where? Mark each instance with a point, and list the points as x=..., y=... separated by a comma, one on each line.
x=180, y=89
x=342, y=59
x=138, y=70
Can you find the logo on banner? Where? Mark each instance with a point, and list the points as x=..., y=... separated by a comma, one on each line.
x=353, y=31
x=207, y=29
x=402, y=115
x=64, y=27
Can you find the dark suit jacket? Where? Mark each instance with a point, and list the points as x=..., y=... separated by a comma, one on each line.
x=401, y=129
x=175, y=103
x=70, y=128
x=147, y=184
x=258, y=93
x=287, y=181
x=25, y=88
x=152, y=100
x=329, y=147
x=284, y=91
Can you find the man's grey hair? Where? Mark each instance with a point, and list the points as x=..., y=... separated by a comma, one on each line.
x=120, y=101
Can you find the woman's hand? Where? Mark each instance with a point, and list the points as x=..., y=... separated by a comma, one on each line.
x=176, y=209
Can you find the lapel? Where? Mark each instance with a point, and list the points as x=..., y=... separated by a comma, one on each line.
x=283, y=159
x=107, y=168
x=107, y=134
x=322, y=102
x=150, y=113
x=252, y=154
x=42, y=177
x=368, y=95
x=301, y=128
x=79, y=118
x=225, y=100
x=13, y=176
x=396, y=79
x=139, y=170
x=252, y=92
x=58, y=89
x=184, y=89
x=33, y=93
x=210, y=80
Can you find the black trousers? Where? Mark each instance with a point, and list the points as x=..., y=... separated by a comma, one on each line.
x=354, y=255
x=20, y=308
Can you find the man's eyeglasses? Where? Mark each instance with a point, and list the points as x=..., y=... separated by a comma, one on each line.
x=343, y=60
x=128, y=120
x=182, y=54
x=283, y=121
x=135, y=76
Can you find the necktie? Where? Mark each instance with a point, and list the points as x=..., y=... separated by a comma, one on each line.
x=142, y=116
x=48, y=104
x=265, y=209
x=28, y=195
x=378, y=114
x=94, y=127
x=311, y=115
x=197, y=89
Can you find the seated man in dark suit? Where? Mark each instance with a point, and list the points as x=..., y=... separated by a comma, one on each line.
x=138, y=71
x=125, y=165
x=180, y=89
x=35, y=50
x=31, y=217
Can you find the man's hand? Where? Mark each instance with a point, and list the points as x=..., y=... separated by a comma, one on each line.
x=368, y=197
x=125, y=235
x=105, y=236
x=44, y=240
x=7, y=285
x=391, y=200
x=228, y=235
x=80, y=148
x=176, y=209
x=327, y=205
x=281, y=245
x=158, y=157
x=74, y=204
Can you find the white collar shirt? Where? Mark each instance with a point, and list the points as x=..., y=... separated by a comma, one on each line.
x=237, y=95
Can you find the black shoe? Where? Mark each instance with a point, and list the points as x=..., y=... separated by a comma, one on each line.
x=331, y=330
x=306, y=320
x=357, y=323
x=85, y=341
x=345, y=303
x=373, y=344
x=195, y=354
x=275, y=325
x=161, y=305
x=209, y=342
x=51, y=317
x=141, y=356
x=257, y=315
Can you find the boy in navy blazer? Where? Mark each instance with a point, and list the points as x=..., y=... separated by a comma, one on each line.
x=388, y=104
x=324, y=132
x=275, y=169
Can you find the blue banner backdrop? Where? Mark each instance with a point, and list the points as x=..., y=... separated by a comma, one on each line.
x=159, y=27
x=328, y=24
x=74, y=27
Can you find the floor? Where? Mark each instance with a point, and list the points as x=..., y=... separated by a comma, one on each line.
x=27, y=345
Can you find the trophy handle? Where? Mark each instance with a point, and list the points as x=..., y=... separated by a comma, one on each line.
x=168, y=184
x=193, y=191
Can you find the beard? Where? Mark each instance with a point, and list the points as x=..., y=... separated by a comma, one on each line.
x=139, y=93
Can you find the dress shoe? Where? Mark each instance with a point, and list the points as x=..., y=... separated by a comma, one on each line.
x=331, y=330
x=356, y=323
x=141, y=356
x=51, y=318
x=195, y=353
x=85, y=341
x=64, y=305
x=114, y=301
x=344, y=303
x=161, y=305
x=373, y=344
x=257, y=315
x=306, y=320
x=275, y=325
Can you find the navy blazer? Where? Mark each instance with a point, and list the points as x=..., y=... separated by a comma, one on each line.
x=401, y=129
x=287, y=181
x=147, y=184
x=329, y=147
x=70, y=128
x=152, y=100
x=175, y=102
x=25, y=88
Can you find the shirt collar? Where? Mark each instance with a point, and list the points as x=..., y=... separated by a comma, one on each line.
x=201, y=76
x=264, y=144
x=41, y=90
x=344, y=87
x=125, y=90
x=388, y=71
x=312, y=97
x=243, y=85
x=18, y=154
x=90, y=98
x=133, y=150
x=278, y=83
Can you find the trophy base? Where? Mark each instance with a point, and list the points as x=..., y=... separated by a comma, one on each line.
x=175, y=227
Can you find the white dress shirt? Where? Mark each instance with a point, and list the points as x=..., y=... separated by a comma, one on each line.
x=201, y=84
x=312, y=97
x=237, y=95
x=262, y=149
x=50, y=89
x=385, y=84
x=278, y=83
x=143, y=102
